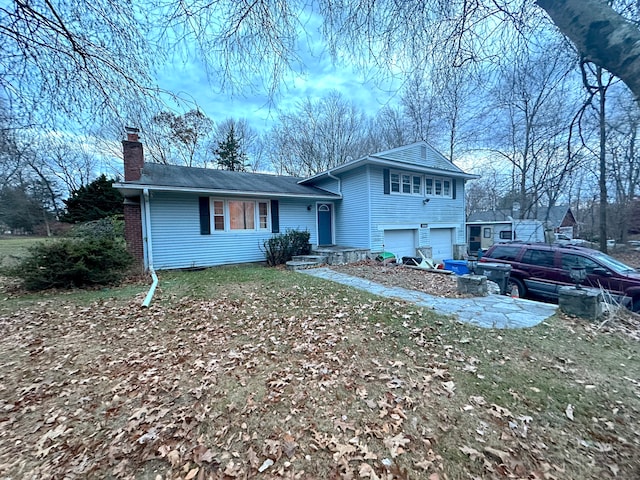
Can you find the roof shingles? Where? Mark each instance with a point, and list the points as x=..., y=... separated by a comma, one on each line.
x=179, y=177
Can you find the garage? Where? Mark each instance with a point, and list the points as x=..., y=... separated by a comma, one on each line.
x=402, y=243
x=441, y=243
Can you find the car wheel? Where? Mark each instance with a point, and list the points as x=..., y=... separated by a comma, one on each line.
x=516, y=288
x=635, y=306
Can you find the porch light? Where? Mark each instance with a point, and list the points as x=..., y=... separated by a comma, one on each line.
x=425, y=201
x=472, y=264
x=578, y=275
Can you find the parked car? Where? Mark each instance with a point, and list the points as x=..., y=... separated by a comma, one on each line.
x=562, y=239
x=539, y=269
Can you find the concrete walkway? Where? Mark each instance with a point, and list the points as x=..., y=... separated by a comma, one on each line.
x=493, y=311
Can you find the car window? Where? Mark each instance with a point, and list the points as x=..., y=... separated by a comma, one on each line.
x=504, y=252
x=542, y=258
x=612, y=263
x=570, y=261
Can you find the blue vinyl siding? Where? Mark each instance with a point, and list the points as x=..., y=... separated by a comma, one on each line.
x=295, y=216
x=177, y=242
x=408, y=210
x=328, y=184
x=352, y=220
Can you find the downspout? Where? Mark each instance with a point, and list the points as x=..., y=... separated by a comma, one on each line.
x=147, y=227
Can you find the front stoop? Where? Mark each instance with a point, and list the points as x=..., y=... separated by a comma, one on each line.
x=342, y=255
x=301, y=262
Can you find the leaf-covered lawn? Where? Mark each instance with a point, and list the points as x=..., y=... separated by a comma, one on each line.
x=255, y=372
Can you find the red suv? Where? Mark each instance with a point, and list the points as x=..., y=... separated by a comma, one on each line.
x=539, y=269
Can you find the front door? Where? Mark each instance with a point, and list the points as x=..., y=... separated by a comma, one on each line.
x=325, y=222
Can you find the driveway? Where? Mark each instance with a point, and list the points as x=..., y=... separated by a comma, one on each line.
x=492, y=311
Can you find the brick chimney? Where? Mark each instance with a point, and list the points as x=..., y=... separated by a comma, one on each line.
x=133, y=164
x=133, y=155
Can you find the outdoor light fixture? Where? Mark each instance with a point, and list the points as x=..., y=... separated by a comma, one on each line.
x=309, y=207
x=578, y=275
x=425, y=201
x=472, y=263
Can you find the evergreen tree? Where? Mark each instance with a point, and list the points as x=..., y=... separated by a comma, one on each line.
x=229, y=153
x=93, y=201
x=20, y=211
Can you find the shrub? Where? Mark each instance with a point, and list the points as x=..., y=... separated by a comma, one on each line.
x=72, y=263
x=281, y=248
x=109, y=227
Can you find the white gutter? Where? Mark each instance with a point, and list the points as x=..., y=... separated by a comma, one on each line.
x=134, y=187
x=154, y=277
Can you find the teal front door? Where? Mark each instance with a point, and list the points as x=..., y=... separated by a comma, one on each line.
x=325, y=222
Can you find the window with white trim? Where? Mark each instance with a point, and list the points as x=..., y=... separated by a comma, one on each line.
x=394, y=178
x=240, y=215
x=411, y=184
x=416, y=184
x=428, y=186
x=405, y=183
x=438, y=187
x=218, y=215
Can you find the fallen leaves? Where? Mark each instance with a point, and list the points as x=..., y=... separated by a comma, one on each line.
x=234, y=387
x=569, y=412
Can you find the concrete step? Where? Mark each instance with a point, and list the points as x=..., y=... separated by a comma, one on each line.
x=310, y=258
x=301, y=265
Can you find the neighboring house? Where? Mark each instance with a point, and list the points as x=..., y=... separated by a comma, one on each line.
x=491, y=226
x=398, y=201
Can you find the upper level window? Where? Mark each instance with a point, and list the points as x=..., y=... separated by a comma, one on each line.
x=438, y=187
x=395, y=182
x=405, y=183
x=416, y=184
x=411, y=184
x=428, y=186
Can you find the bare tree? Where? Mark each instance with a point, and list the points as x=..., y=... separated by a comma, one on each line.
x=79, y=59
x=62, y=61
x=388, y=129
x=623, y=161
x=597, y=83
x=317, y=135
x=530, y=124
x=179, y=139
x=70, y=160
x=602, y=35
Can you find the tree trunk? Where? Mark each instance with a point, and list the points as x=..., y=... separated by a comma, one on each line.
x=603, y=163
x=601, y=35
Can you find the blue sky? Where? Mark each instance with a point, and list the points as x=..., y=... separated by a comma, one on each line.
x=188, y=78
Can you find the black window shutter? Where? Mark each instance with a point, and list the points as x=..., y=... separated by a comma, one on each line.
x=275, y=217
x=385, y=179
x=205, y=216
x=454, y=182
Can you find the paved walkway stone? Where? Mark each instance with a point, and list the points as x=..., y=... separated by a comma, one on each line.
x=493, y=311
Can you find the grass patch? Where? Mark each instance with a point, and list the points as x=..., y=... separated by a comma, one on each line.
x=234, y=366
x=13, y=249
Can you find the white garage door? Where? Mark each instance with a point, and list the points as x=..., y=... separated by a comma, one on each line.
x=441, y=243
x=402, y=243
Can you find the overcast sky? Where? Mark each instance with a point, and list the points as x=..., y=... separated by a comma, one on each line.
x=320, y=76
